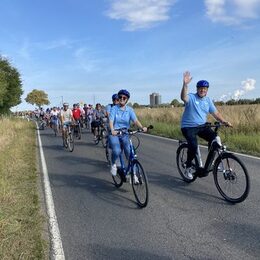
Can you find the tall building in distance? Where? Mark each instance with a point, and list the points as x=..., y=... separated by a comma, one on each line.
x=155, y=99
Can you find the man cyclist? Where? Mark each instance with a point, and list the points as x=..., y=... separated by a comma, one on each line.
x=98, y=116
x=66, y=117
x=197, y=108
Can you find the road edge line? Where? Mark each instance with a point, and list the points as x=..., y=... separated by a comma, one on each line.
x=56, y=242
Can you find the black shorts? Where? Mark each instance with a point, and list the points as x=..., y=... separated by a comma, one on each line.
x=95, y=124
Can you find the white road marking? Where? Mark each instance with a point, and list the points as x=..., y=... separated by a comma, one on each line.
x=56, y=242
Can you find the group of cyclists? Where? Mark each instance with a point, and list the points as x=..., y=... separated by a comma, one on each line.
x=119, y=116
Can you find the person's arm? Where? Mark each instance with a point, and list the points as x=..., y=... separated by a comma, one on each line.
x=220, y=118
x=184, y=91
x=139, y=125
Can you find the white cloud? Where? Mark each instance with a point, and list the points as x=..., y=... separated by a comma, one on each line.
x=140, y=14
x=248, y=85
x=232, y=12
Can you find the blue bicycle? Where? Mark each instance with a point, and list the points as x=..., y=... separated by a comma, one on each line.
x=134, y=172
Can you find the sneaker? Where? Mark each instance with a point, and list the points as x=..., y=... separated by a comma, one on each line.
x=189, y=173
x=113, y=169
x=136, y=181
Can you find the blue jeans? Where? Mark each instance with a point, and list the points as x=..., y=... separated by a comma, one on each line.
x=191, y=133
x=115, y=143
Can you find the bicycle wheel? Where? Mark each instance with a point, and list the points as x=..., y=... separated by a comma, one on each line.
x=181, y=159
x=118, y=179
x=104, y=138
x=140, y=185
x=70, y=142
x=79, y=132
x=108, y=154
x=231, y=178
x=65, y=141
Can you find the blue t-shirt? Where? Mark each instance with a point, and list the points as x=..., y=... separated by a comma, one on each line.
x=109, y=107
x=122, y=118
x=196, y=110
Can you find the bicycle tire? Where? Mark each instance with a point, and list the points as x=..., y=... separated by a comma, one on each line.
x=118, y=180
x=140, y=189
x=108, y=155
x=70, y=142
x=104, y=137
x=232, y=167
x=79, y=132
x=181, y=158
x=65, y=142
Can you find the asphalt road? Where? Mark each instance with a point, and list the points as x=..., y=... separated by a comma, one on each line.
x=181, y=221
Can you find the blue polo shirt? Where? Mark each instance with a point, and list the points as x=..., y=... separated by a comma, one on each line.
x=122, y=118
x=196, y=110
x=109, y=107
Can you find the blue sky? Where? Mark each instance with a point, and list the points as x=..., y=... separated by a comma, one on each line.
x=85, y=50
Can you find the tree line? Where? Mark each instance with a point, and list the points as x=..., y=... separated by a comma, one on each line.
x=10, y=86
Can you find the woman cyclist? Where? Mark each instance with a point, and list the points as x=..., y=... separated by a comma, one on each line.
x=120, y=118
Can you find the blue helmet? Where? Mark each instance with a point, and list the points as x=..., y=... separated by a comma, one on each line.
x=124, y=92
x=202, y=83
x=115, y=96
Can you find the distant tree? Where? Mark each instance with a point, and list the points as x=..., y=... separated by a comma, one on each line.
x=10, y=86
x=136, y=105
x=38, y=98
x=176, y=103
x=219, y=103
x=130, y=104
x=257, y=101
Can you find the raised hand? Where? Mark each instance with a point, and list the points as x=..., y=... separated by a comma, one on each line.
x=186, y=77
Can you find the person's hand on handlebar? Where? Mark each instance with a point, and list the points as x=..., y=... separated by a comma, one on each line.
x=114, y=133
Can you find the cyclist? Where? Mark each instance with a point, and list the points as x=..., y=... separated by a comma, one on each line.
x=197, y=107
x=54, y=117
x=115, y=101
x=120, y=118
x=98, y=115
x=66, y=117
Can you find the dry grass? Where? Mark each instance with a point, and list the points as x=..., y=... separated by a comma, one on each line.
x=243, y=137
x=21, y=224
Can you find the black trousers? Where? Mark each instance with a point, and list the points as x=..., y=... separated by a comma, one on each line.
x=191, y=133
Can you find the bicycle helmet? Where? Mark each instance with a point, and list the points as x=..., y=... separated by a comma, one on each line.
x=65, y=104
x=115, y=96
x=202, y=83
x=124, y=92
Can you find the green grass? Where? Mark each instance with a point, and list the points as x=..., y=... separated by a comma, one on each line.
x=235, y=141
x=21, y=223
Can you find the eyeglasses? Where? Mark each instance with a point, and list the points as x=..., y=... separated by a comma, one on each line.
x=122, y=97
x=116, y=99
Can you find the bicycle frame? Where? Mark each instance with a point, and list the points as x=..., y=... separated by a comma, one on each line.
x=132, y=157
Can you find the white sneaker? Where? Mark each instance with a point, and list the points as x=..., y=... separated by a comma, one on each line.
x=189, y=173
x=136, y=181
x=113, y=169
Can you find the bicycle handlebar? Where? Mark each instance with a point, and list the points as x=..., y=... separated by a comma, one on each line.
x=132, y=132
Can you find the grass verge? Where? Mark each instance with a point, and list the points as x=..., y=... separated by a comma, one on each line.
x=244, y=137
x=21, y=223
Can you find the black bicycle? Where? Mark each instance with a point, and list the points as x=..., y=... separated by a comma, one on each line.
x=102, y=133
x=230, y=174
x=77, y=130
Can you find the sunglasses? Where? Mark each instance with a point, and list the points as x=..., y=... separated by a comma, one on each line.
x=122, y=97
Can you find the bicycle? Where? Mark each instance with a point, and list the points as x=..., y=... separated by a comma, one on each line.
x=134, y=171
x=228, y=170
x=68, y=138
x=102, y=134
x=77, y=129
x=55, y=124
